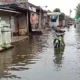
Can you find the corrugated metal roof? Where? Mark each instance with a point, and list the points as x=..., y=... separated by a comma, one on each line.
x=12, y=8
x=9, y=11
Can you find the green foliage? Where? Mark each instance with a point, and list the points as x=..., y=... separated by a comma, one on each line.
x=56, y=10
x=62, y=16
x=48, y=11
x=78, y=11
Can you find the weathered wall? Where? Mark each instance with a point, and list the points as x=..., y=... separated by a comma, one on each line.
x=5, y=16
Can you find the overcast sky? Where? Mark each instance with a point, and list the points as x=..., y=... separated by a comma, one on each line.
x=64, y=5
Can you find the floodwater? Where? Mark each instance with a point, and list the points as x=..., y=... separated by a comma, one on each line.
x=36, y=59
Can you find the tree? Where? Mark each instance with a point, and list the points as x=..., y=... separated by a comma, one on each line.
x=78, y=11
x=62, y=16
x=56, y=10
x=48, y=11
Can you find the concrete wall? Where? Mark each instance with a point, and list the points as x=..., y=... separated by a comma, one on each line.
x=8, y=18
x=15, y=20
x=19, y=22
x=5, y=16
x=22, y=21
x=16, y=24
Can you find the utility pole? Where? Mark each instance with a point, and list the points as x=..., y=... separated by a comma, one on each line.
x=70, y=12
x=40, y=17
x=27, y=6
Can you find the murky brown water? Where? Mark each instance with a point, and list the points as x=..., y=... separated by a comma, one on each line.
x=36, y=59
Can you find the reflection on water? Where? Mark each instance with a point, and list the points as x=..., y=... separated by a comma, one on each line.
x=68, y=28
x=58, y=53
x=5, y=61
x=19, y=59
x=36, y=59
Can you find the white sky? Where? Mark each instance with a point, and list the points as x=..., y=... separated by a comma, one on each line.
x=64, y=5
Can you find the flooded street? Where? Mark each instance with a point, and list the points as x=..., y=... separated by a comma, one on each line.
x=36, y=59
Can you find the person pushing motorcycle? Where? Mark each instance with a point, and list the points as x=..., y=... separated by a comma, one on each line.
x=59, y=29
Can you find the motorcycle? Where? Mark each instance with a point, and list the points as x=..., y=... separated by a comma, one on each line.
x=58, y=41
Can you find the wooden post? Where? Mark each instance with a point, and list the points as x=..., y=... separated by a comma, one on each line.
x=27, y=22
x=40, y=19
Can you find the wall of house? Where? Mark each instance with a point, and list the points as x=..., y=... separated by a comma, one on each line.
x=11, y=19
x=5, y=16
x=34, y=20
x=16, y=24
x=22, y=23
x=44, y=19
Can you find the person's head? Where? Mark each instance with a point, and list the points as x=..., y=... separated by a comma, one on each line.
x=33, y=14
x=59, y=26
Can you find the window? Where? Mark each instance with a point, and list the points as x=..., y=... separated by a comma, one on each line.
x=54, y=18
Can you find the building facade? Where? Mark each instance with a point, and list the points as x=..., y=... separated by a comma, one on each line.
x=28, y=18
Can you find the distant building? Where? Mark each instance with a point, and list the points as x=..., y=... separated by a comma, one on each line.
x=54, y=18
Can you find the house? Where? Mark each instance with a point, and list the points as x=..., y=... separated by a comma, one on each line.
x=23, y=17
x=39, y=15
x=34, y=17
x=15, y=16
x=54, y=18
